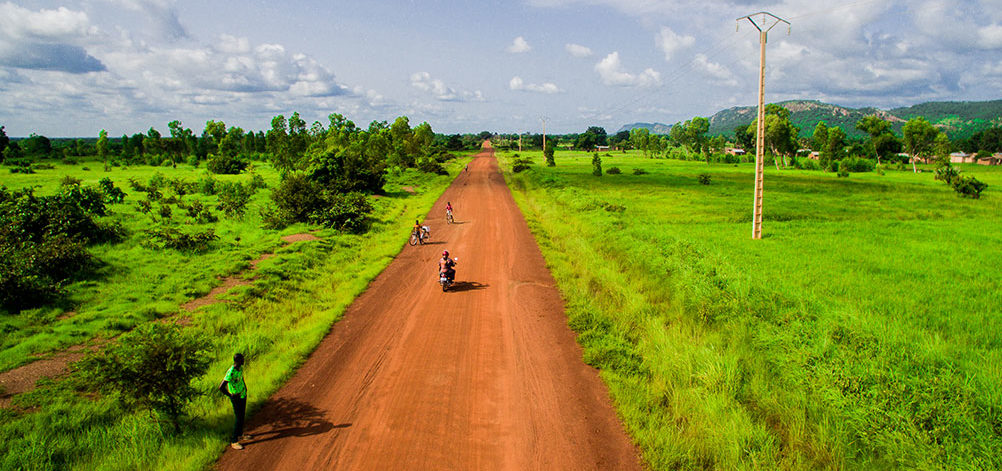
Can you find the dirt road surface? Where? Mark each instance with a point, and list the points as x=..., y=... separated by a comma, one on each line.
x=486, y=376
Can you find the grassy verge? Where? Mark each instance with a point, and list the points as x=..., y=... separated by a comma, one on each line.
x=864, y=331
x=276, y=322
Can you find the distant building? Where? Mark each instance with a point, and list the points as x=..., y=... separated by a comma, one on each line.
x=962, y=158
x=734, y=151
x=994, y=159
x=602, y=148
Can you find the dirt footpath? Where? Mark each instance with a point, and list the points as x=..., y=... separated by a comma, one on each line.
x=486, y=376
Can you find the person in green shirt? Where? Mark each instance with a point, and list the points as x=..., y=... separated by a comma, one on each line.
x=233, y=386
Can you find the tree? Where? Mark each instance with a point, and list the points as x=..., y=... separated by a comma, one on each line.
x=694, y=134
x=551, y=148
x=875, y=127
x=36, y=146
x=941, y=146
x=102, y=147
x=151, y=142
x=820, y=137
x=743, y=138
x=4, y=140
x=596, y=165
x=886, y=145
x=640, y=138
x=151, y=367
x=919, y=138
x=833, y=148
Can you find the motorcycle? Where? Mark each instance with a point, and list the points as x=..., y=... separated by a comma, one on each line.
x=447, y=279
x=448, y=217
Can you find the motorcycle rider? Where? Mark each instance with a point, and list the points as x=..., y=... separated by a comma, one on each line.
x=419, y=231
x=446, y=265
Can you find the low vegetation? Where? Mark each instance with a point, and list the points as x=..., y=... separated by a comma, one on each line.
x=862, y=331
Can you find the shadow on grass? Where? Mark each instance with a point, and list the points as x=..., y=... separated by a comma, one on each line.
x=283, y=418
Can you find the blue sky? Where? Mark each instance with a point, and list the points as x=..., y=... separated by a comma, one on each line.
x=73, y=67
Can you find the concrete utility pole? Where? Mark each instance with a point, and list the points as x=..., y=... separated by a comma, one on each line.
x=520, y=142
x=543, y=119
x=765, y=23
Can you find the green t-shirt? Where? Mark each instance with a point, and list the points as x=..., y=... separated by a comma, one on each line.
x=235, y=382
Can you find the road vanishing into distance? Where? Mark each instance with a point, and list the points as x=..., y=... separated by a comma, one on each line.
x=486, y=376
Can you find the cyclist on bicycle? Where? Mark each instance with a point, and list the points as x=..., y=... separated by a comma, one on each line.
x=448, y=210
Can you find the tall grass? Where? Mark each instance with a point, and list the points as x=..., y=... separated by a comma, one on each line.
x=864, y=331
x=276, y=322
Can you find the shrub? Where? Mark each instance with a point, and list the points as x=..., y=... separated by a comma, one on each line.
x=430, y=165
x=112, y=194
x=521, y=164
x=42, y=240
x=70, y=180
x=704, y=178
x=165, y=212
x=168, y=237
x=157, y=181
x=225, y=164
x=947, y=174
x=207, y=185
x=857, y=165
x=296, y=198
x=596, y=165
x=639, y=171
x=614, y=171
x=137, y=185
x=347, y=212
x=182, y=187
x=151, y=367
x=257, y=182
x=233, y=199
x=969, y=187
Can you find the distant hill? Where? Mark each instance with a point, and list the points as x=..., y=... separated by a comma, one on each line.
x=957, y=119
x=654, y=128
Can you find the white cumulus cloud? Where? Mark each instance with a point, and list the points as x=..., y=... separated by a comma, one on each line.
x=611, y=71
x=516, y=83
x=670, y=42
x=714, y=70
x=519, y=45
x=437, y=88
x=578, y=50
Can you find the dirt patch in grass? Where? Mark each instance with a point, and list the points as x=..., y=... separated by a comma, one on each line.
x=23, y=378
x=306, y=236
x=409, y=189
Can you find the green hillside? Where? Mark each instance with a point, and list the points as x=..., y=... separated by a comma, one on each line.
x=958, y=119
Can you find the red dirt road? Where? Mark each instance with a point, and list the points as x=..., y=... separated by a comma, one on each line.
x=484, y=377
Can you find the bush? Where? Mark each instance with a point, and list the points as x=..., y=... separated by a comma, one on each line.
x=520, y=164
x=43, y=239
x=207, y=185
x=704, y=178
x=224, y=164
x=430, y=165
x=947, y=174
x=168, y=237
x=614, y=171
x=346, y=212
x=296, y=198
x=257, y=182
x=596, y=165
x=969, y=187
x=639, y=171
x=70, y=180
x=151, y=367
x=857, y=165
x=233, y=199
x=112, y=194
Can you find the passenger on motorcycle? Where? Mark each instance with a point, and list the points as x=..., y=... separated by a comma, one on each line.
x=447, y=265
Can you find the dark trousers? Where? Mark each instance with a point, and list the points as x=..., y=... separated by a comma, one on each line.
x=239, y=407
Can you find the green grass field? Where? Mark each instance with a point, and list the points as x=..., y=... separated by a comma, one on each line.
x=276, y=320
x=864, y=331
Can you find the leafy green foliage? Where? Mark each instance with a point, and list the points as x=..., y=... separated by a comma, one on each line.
x=613, y=171
x=151, y=367
x=233, y=199
x=112, y=194
x=703, y=178
x=226, y=164
x=520, y=164
x=344, y=211
x=596, y=165
x=43, y=239
x=170, y=237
